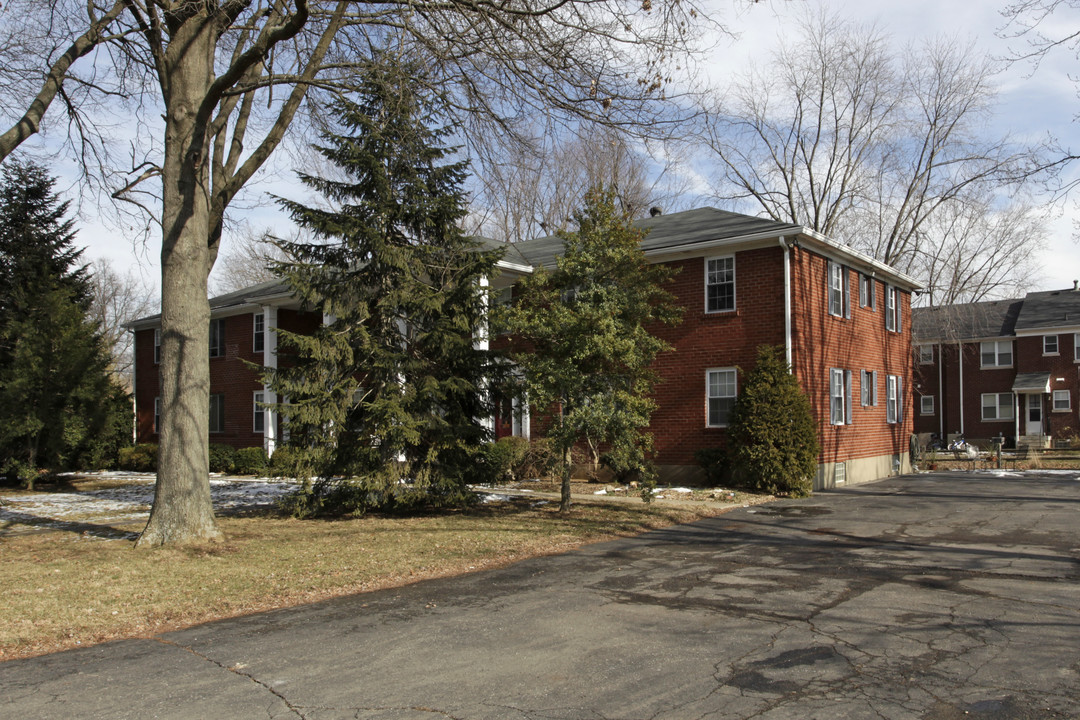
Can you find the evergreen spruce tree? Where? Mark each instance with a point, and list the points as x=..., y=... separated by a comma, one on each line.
x=58, y=405
x=582, y=339
x=391, y=387
x=772, y=439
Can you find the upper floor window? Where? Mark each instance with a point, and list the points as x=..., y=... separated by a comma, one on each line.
x=720, y=284
x=996, y=353
x=157, y=414
x=217, y=337
x=926, y=354
x=839, y=396
x=721, y=392
x=867, y=296
x=1050, y=344
x=258, y=332
x=1076, y=347
x=839, y=303
x=894, y=411
x=157, y=346
x=893, y=312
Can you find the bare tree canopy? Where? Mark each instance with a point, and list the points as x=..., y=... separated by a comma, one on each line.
x=529, y=192
x=115, y=299
x=203, y=91
x=885, y=151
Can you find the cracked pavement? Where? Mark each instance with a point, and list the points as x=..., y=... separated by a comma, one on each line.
x=945, y=596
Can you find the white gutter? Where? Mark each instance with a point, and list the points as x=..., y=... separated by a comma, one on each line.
x=787, y=303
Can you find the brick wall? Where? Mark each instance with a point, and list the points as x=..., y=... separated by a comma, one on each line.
x=822, y=341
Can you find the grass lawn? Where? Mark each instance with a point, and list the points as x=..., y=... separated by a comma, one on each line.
x=65, y=589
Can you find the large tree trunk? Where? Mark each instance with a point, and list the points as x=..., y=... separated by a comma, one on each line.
x=182, y=509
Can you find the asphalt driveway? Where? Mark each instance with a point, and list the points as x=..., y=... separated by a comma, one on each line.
x=936, y=596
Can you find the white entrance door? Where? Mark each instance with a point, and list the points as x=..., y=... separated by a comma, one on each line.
x=1034, y=414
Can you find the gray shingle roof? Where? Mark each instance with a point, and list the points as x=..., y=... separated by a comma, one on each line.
x=969, y=321
x=683, y=229
x=1049, y=309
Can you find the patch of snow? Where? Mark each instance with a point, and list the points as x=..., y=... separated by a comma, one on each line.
x=600, y=492
x=680, y=490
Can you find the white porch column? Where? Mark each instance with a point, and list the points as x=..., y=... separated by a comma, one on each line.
x=482, y=341
x=269, y=360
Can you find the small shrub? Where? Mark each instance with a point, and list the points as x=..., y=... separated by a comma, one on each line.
x=502, y=460
x=627, y=462
x=222, y=458
x=286, y=462
x=715, y=463
x=251, y=461
x=539, y=462
x=138, y=458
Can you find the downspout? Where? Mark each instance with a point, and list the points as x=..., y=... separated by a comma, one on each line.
x=134, y=393
x=941, y=389
x=787, y=303
x=960, y=354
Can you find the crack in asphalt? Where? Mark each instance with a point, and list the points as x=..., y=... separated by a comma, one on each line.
x=236, y=671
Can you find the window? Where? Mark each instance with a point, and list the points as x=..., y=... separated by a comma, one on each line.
x=894, y=412
x=157, y=414
x=217, y=413
x=926, y=354
x=926, y=404
x=720, y=395
x=217, y=337
x=259, y=419
x=839, y=396
x=1076, y=347
x=839, y=473
x=868, y=387
x=1062, y=401
x=996, y=353
x=258, y=332
x=720, y=284
x=1050, y=344
x=157, y=346
x=893, y=311
x=867, y=296
x=839, y=303
x=997, y=406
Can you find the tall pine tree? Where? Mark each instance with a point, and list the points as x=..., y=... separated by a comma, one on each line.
x=582, y=339
x=58, y=406
x=391, y=387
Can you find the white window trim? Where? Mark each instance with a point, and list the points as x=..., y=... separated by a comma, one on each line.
x=923, y=360
x=258, y=334
x=222, y=428
x=837, y=391
x=221, y=347
x=894, y=316
x=157, y=415
x=893, y=411
x=922, y=404
x=997, y=406
x=997, y=354
x=867, y=292
x=1076, y=347
x=258, y=414
x=1068, y=401
x=708, y=397
x=840, y=272
x=734, y=287
x=1057, y=345
x=157, y=346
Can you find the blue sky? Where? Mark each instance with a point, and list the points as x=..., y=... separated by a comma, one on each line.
x=1032, y=102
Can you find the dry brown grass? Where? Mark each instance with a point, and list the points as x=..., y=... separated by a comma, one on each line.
x=63, y=589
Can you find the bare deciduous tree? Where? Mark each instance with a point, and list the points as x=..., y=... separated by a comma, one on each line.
x=842, y=135
x=116, y=299
x=245, y=260
x=531, y=192
x=221, y=81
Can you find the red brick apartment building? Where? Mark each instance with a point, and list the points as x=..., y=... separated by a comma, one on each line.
x=1006, y=367
x=843, y=318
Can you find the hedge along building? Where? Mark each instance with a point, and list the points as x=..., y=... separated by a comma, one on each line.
x=842, y=318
